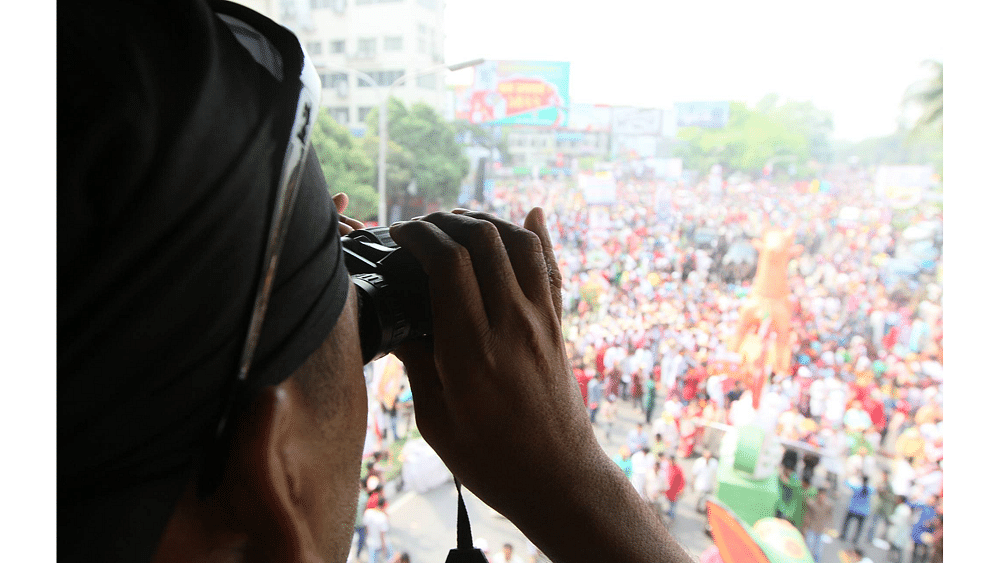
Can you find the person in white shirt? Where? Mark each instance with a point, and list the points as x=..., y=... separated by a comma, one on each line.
x=817, y=398
x=900, y=527
x=377, y=523
x=836, y=401
x=507, y=555
x=613, y=355
x=714, y=388
x=704, y=472
x=642, y=463
x=903, y=475
x=834, y=450
x=930, y=478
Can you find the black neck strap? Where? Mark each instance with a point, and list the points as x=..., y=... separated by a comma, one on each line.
x=465, y=553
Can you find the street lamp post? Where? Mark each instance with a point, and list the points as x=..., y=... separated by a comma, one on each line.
x=383, y=127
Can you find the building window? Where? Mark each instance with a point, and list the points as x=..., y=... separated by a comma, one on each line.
x=363, y=112
x=314, y=48
x=429, y=4
x=338, y=46
x=381, y=77
x=393, y=43
x=366, y=2
x=428, y=81
x=421, y=45
x=340, y=114
x=366, y=46
x=421, y=28
x=330, y=80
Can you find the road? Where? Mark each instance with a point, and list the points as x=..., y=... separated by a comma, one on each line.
x=424, y=525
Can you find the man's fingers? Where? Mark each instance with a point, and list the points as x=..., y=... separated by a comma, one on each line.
x=352, y=222
x=456, y=303
x=493, y=271
x=524, y=249
x=340, y=201
x=535, y=222
x=429, y=405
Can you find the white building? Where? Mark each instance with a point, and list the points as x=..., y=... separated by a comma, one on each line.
x=382, y=38
x=554, y=147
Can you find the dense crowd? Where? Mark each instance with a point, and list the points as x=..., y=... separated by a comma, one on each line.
x=649, y=315
x=648, y=323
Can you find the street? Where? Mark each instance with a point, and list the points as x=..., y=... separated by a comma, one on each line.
x=424, y=525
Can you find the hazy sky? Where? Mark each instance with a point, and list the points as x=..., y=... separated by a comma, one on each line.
x=850, y=57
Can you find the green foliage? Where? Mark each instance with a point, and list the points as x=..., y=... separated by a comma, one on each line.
x=920, y=146
x=586, y=163
x=922, y=143
x=475, y=134
x=346, y=166
x=789, y=133
x=426, y=152
x=928, y=95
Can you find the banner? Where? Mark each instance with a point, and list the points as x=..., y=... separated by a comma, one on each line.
x=598, y=188
x=711, y=115
x=589, y=117
x=903, y=186
x=516, y=93
x=636, y=121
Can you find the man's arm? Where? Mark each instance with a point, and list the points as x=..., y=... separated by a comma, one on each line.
x=495, y=397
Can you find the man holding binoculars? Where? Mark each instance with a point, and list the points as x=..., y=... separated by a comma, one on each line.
x=211, y=398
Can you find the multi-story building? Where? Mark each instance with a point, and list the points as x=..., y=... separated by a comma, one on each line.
x=385, y=39
x=554, y=147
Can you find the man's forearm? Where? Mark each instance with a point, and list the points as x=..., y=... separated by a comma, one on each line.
x=597, y=516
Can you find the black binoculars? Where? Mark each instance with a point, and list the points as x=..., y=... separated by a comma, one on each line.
x=392, y=291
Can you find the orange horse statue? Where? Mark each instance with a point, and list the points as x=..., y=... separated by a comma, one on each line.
x=763, y=332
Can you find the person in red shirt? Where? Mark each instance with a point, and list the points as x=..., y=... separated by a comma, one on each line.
x=675, y=486
x=691, y=380
x=600, y=359
x=876, y=410
x=582, y=379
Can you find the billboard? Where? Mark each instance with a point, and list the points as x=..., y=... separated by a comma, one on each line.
x=516, y=93
x=636, y=121
x=589, y=117
x=711, y=115
x=903, y=186
x=598, y=188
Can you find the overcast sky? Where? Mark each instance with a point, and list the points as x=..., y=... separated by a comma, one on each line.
x=852, y=58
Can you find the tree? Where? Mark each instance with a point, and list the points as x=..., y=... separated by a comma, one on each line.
x=919, y=143
x=474, y=134
x=752, y=138
x=427, y=151
x=928, y=95
x=920, y=146
x=346, y=166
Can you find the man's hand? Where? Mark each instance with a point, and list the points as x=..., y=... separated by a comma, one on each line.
x=493, y=392
x=347, y=225
x=494, y=395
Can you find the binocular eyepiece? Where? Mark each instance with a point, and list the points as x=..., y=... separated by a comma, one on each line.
x=392, y=291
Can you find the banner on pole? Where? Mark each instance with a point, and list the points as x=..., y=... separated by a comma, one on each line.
x=516, y=93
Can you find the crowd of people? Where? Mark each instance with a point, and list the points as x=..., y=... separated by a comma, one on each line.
x=648, y=320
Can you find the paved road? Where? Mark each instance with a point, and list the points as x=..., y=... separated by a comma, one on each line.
x=424, y=524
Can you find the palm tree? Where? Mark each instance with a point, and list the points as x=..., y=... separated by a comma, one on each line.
x=928, y=94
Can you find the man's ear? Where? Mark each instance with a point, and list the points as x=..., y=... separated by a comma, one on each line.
x=263, y=479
